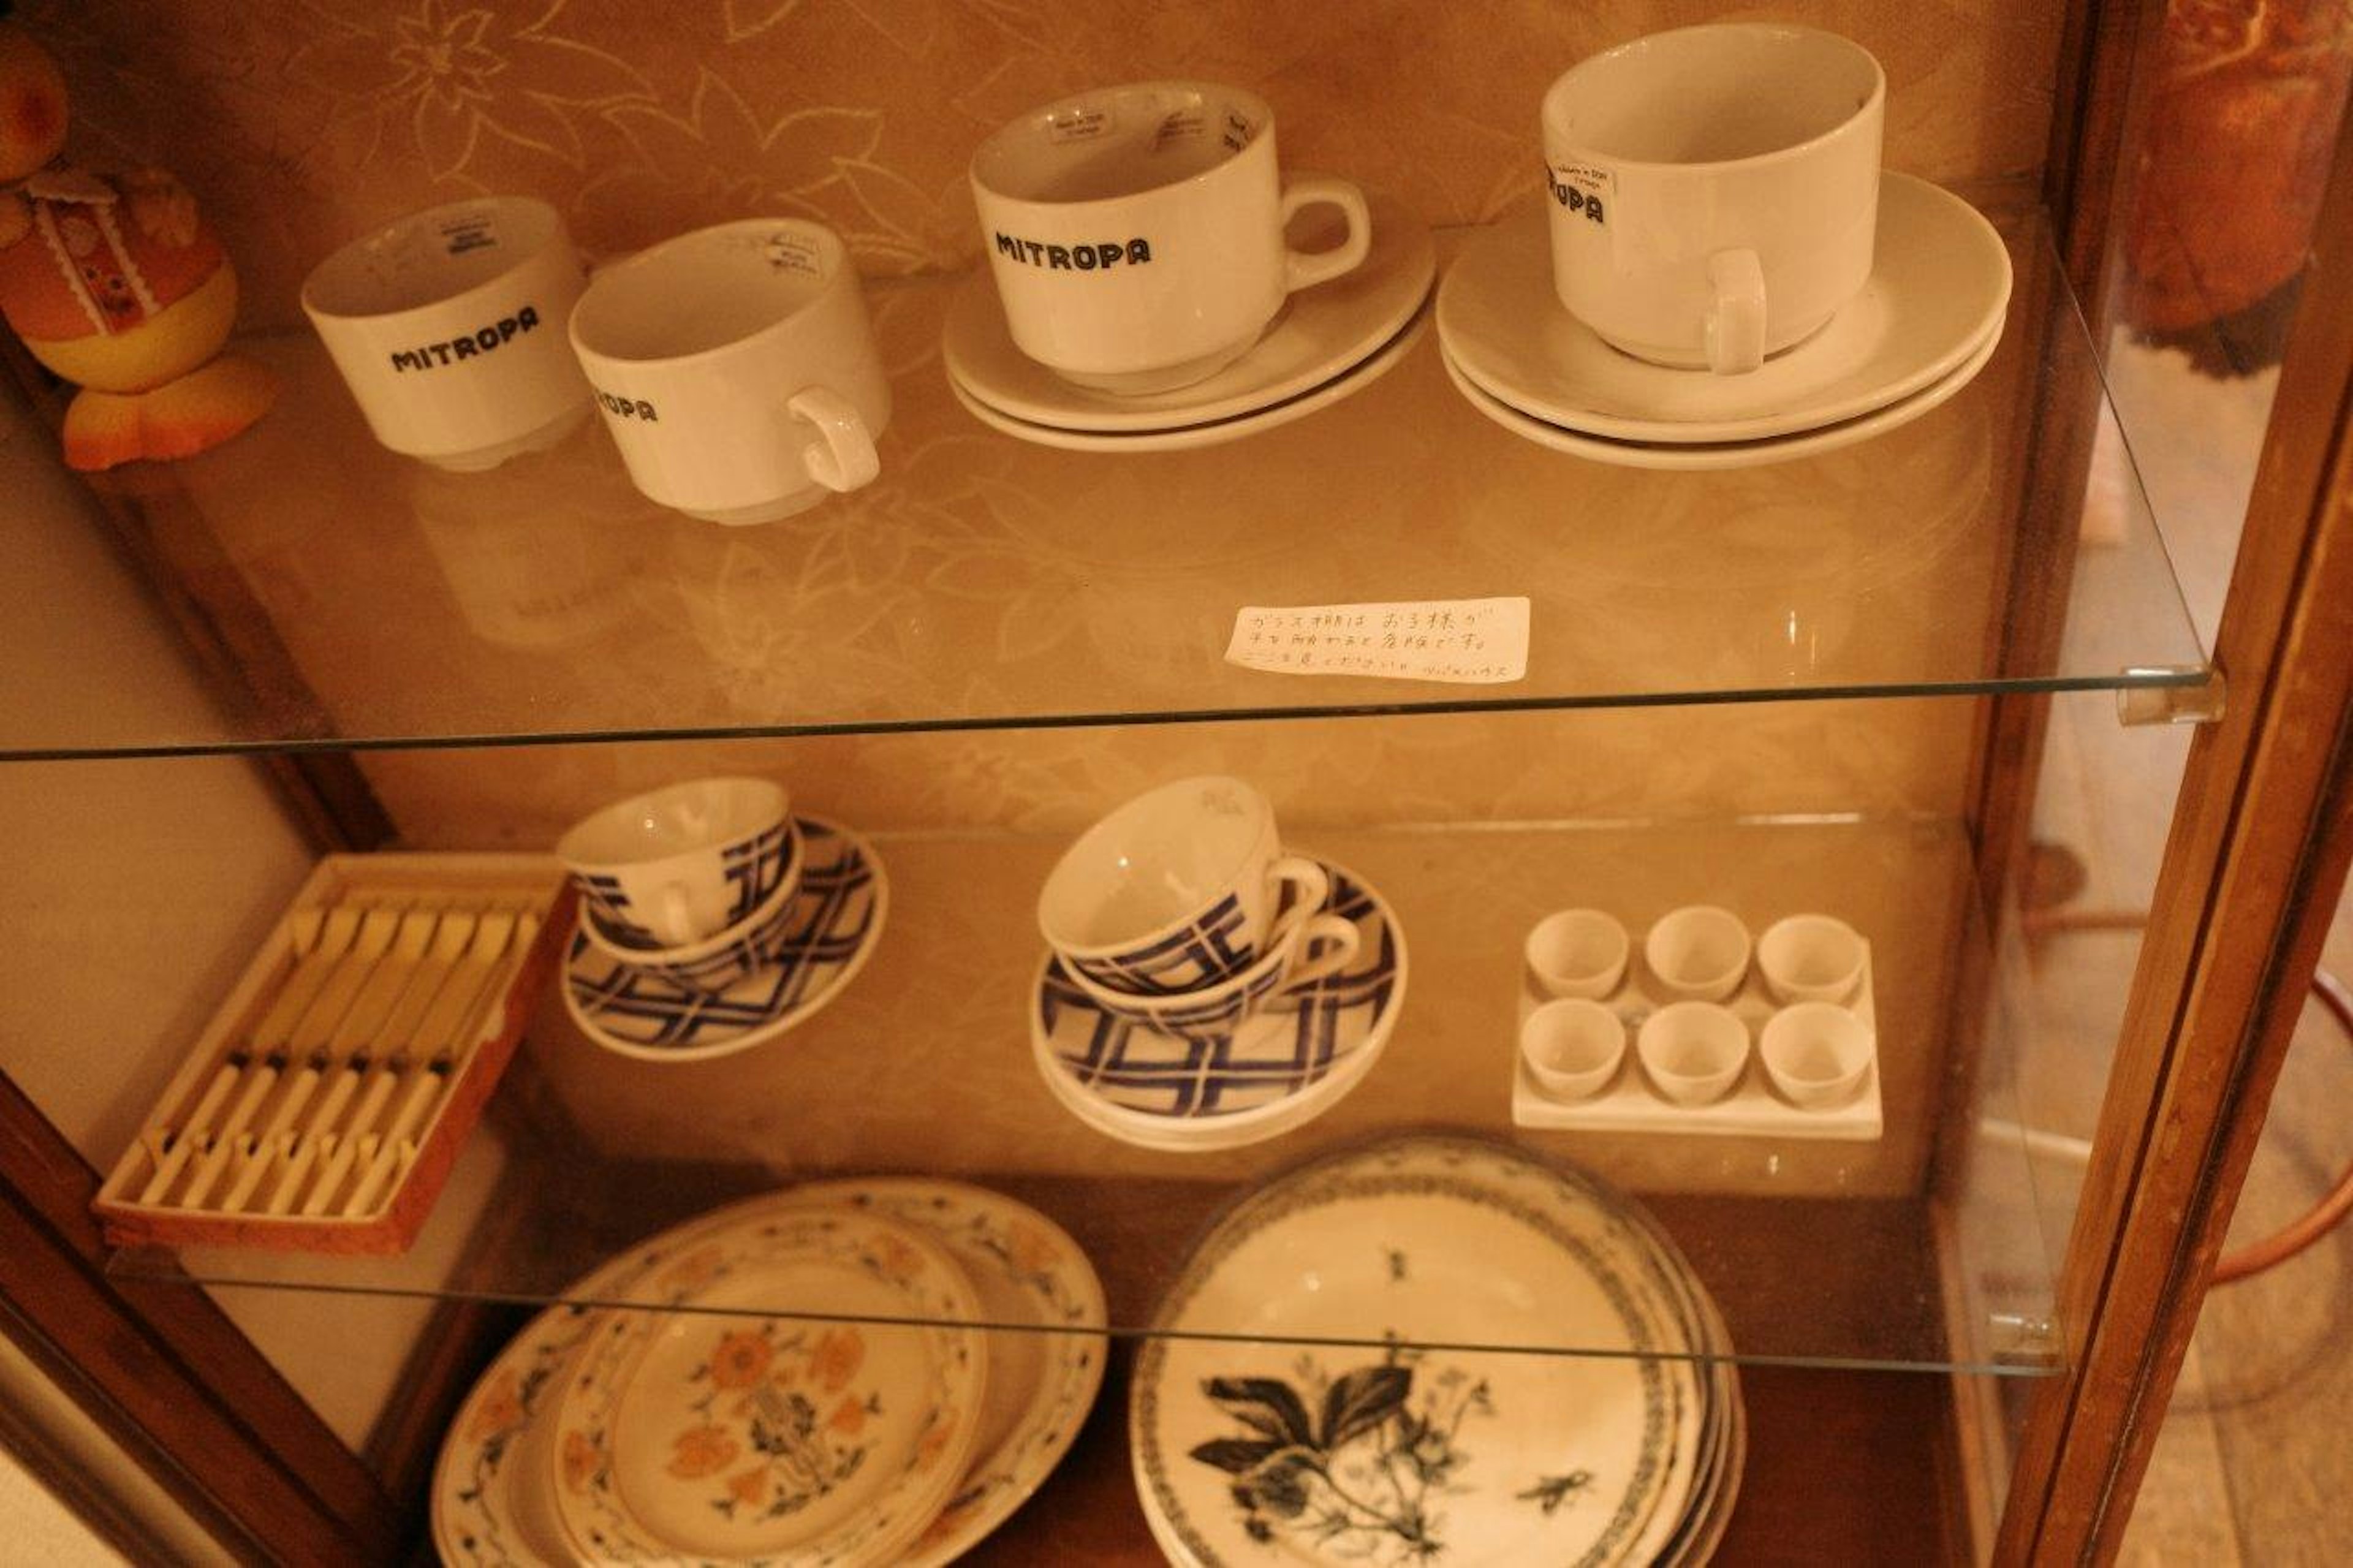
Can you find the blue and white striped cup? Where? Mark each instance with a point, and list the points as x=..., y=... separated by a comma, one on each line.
x=1181, y=888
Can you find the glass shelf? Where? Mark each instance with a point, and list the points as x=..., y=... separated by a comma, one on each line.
x=983, y=582
x=1883, y=1253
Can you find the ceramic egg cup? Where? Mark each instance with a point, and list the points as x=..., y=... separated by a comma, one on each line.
x=1752, y=1108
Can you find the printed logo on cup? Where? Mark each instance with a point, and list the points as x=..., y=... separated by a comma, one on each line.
x=626, y=407
x=1579, y=188
x=466, y=345
x=1100, y=257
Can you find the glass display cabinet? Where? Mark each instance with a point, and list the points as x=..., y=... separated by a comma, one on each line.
x=1913, y=682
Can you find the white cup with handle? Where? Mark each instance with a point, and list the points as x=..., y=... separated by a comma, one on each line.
x=736, y=369
x=448, y=325
x=1136, y=233
x=1714, y=191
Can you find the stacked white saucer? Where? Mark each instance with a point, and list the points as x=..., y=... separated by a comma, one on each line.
x=820, y=1391
x=1924, y=324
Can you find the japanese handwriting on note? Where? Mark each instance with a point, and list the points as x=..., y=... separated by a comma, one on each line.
x=1469, y=641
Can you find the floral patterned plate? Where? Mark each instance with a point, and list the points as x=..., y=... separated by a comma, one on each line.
x=727, y=1433
x=1027, y=1270
x=1390, y=1454
x=487, y=1513
x=835, y=920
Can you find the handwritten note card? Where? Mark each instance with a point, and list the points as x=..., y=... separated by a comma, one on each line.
x=1470, y=641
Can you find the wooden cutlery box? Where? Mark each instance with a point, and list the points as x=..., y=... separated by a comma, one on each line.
x=322, y=1108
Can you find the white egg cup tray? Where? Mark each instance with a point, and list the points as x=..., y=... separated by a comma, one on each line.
x=1752, y=1109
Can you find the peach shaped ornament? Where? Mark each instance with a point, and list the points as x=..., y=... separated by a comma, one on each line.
x=115, y=283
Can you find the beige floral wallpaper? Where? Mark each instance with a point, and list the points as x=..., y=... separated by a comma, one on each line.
x=300, y=122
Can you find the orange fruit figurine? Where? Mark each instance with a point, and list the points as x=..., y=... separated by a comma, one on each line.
x=115, y=283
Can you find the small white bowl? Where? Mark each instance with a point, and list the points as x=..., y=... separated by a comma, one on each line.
x=1573, y=1048
x=1698, y=952
x=1579, y=952
x=1816, y=1053
x=1694, y=1051
x=1810, y=958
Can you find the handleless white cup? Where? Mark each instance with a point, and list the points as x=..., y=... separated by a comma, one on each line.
x=1714, y=190
x=1578, y=952
x=736, y=369
x=1816, y=1053
x=1694, y=1051
x=1810, y=958
x=1136, y=233
x=448, y=326
x=1699, y=952
x=1573, y=1044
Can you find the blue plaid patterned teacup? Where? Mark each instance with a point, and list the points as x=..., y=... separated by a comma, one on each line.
x=682, y=865
x=1181, y=888
x=710, y=966
x=1320, y=945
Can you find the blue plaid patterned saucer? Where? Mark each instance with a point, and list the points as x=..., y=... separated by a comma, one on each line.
x=836, y=918
x=1289, y=1046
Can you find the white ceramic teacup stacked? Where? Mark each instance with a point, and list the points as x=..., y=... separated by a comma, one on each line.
x=1136, y=233
x=1180, y=912
x=693, y=882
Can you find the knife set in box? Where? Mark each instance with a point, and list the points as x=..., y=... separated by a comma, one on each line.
x=322, y=1108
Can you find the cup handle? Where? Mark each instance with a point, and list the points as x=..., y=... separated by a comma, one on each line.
x=1736, y=329
x=1311, y=887
x=842, y=457
x=1305, y=269
x=1340, y=938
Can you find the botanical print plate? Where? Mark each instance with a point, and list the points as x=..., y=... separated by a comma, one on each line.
x=836, y=921
x=1284, y=1049
x=1026, y=1271
x=1390, y=1454
x=730, y=1433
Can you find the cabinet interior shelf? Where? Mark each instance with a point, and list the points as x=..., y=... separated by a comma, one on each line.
x=366, y=601
x=1907, y=1252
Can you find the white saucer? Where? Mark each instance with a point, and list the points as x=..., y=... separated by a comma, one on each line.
x=1348, y=383
x=1283, y=1068
x=1938, y=290
x=1321, y=334
x=1698, y=457
x=836, y=921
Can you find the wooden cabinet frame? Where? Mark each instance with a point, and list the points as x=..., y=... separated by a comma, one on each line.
x=2258, y=853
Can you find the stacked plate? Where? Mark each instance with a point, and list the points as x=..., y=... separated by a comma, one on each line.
x=1338, y=1439
x=1925, y=323
x=825, y=939
x=1281, y=1067
x=885, y=1426
x=1329, y=343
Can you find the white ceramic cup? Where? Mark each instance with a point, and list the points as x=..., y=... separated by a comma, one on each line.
x=1177, y=890
x=736, y=369
x=1816, y=1053
x=1699, y=952
x=448, y=326
x=1136, y=233
x=1714, y=190
x=674, y=867
x=1810, y=958
x=1573, y=1046
x=1578, y=952
x=1692, y=1051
